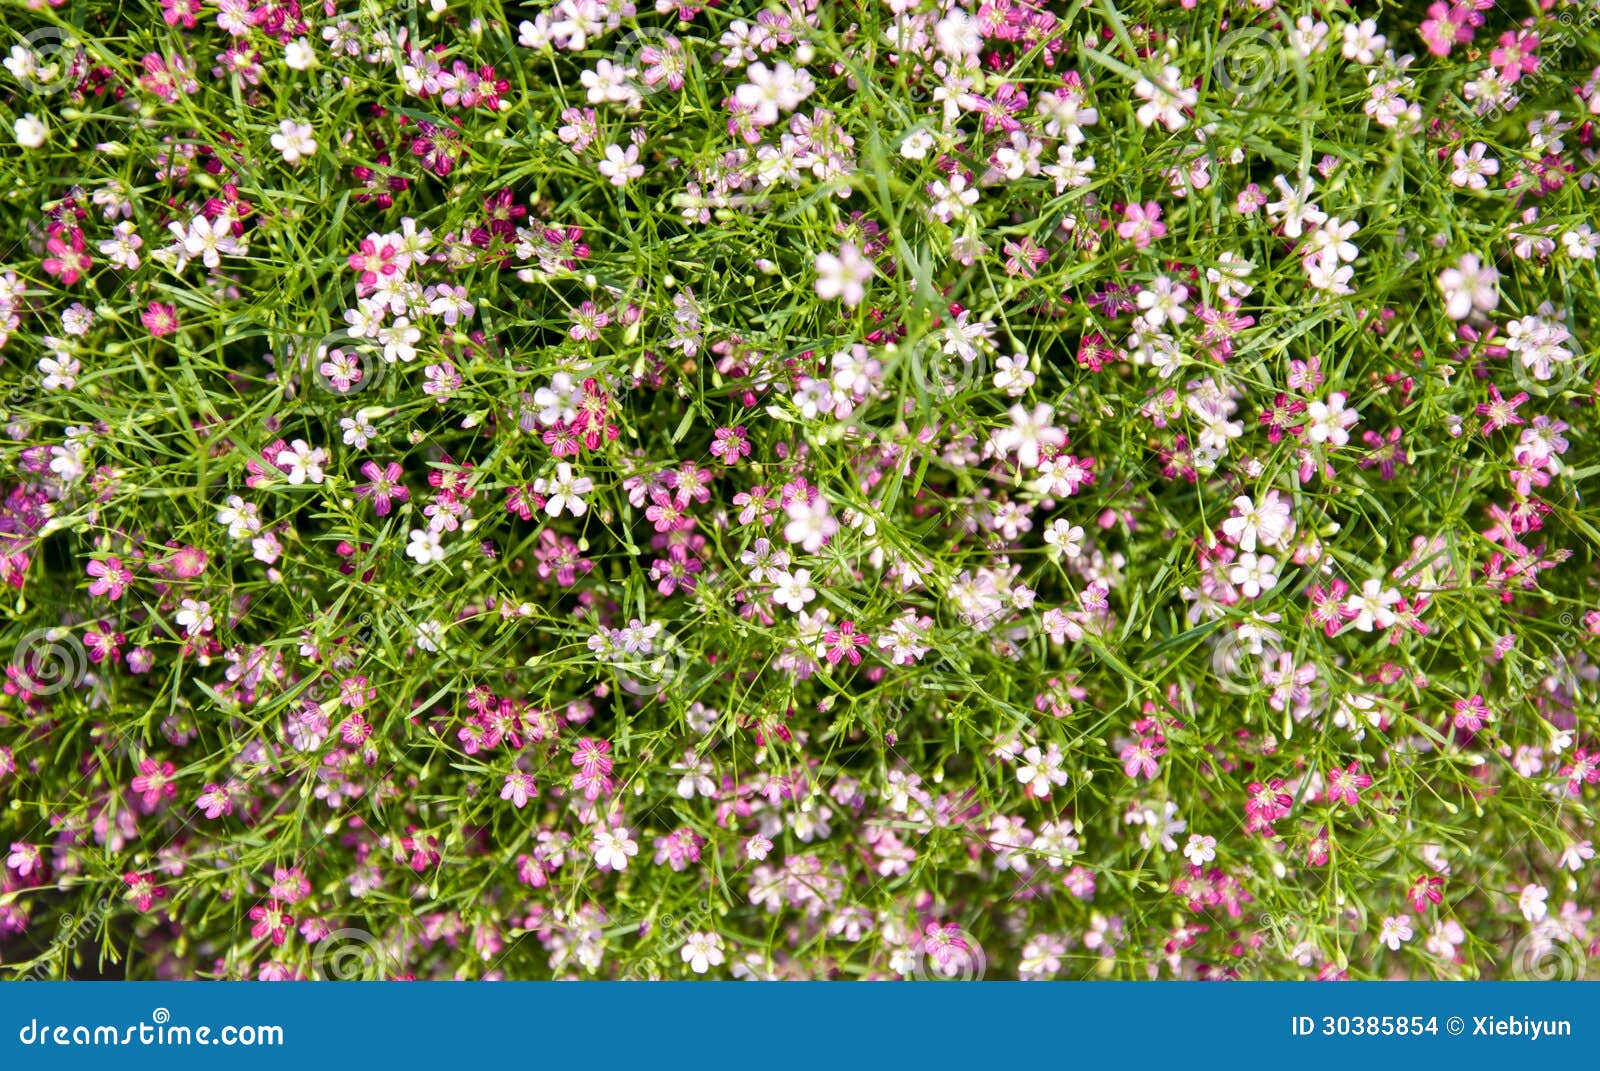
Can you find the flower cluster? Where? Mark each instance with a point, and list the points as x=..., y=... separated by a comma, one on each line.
x=910, y=489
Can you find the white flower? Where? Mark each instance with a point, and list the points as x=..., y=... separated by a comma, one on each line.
x=1396, y=930
x=1267, y=522
x=916, y=144
x=1581, y=242
x=1362, y=41
x=294, y=141
x=951, y=200
x=29, y=131
x=792, y=590
x=843, y=276
x=1470, y=167
x=399, y=340
x=811, y=523
x=958, y=34
x=768, y=91
x=1308, y=36
x=1329, y=422
x=1041, y=769
x=426, y=546
x=1295, y=209
x=702, y=951
x=1324, y=272
x=1230, y=275
x=123, y=247
x=298, y=55
x=241, y=517
x=60, y=372
x=1333, y=236
x=610, y=82
x=1471, y=284
x=1372, y=605
x=1539, y=342
x=1165, y=99
x=1254, y=574
x=612, y=848
x=429, y=635
x=1027, y=432
x=619, y=166
x=305, y=463
x=1531, y=902
x=565, y=491
x=1576, y=854
x=1065, y=537
x=195, y=617
x=1013, y=376
x=208, y=240
x=1201, y=849
x=1163, y=300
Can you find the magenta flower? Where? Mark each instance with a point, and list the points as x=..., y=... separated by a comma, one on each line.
x=385, y=486
x=111, y=577
x=154, y=782
x=1344, y=786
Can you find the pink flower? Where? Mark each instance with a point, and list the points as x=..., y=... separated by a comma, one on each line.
x=160, y=320
x=385, y=487
x=519, y=787
x=842, y=642
x=1142, y=225
x=143, y=892
x=67, y=259
x=1141, y=758
x=1515, y=55
x=154, y=782
x=730, y=445
x=1448, y=25
x=215, y=801
x=1471, y=713
x=271, y=920
x=25, y=859
x=1345, y=785
x=1425, y=889
x=111, y=577
x=593, y=759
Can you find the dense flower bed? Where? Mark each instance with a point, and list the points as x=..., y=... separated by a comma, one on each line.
x=797, y=490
